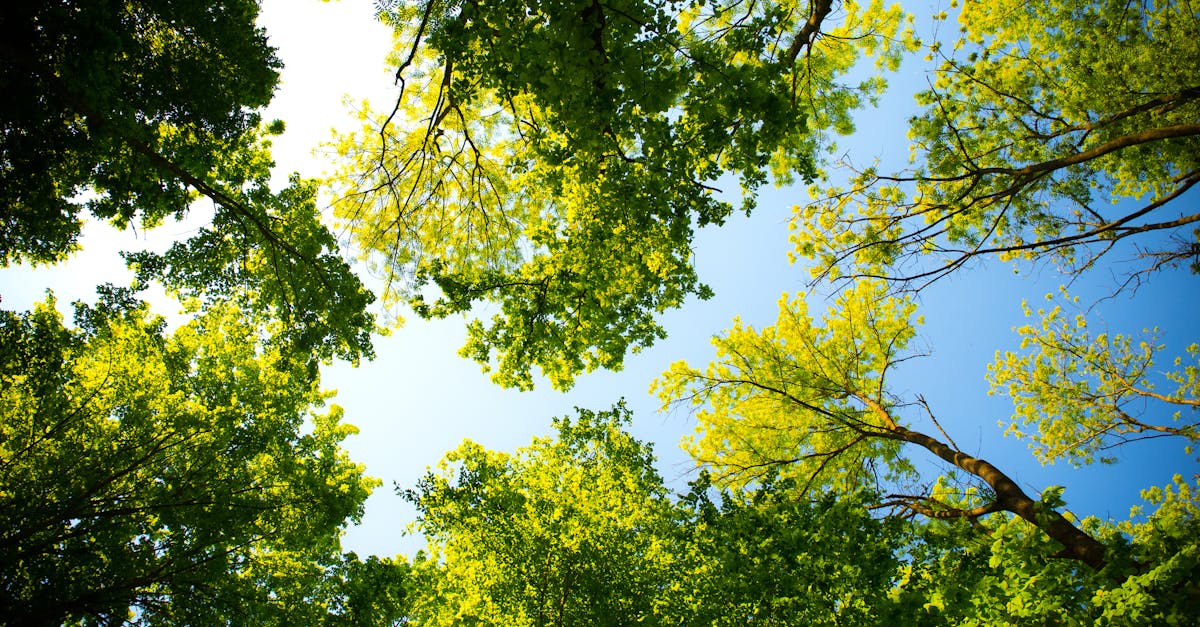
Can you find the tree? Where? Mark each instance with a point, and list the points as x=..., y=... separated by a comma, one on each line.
x=104, y=96
x=579, y=529
x=993, y=570
x=1034, y=143
x=773, y=556
x=162, y=473
x=1100, y=388
x=556, y=157
x=132, y=109
x=567, y=531
x=810, y=399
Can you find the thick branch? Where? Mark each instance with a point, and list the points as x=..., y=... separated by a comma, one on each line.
x=222, y=199
x=931, y=508
x=808, y=33
x=1120, y=143
x=1011, y=498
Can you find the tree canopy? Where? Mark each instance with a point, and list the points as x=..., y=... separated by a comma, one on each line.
x=578, y=528
x=1033, y=142
x=182, y=477
x=165, y=472
x=813, y=399
x=133, y=110
x=555, y=160
x=567, y=531
x=557, y=157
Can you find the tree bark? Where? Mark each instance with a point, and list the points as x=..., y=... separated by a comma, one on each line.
x=1011, y=498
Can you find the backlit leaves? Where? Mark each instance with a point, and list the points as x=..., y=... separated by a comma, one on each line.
x=1079, y=393
x=141, y=469
x=568, y=530
x=1034, y=142
x=556, y=157
x=794, y=395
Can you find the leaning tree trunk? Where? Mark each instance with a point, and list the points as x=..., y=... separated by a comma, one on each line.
x=1011, y=498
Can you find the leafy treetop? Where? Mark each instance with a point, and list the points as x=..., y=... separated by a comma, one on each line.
x=556, y=157
x=566, y=531
x=1050, y=130
x=809, y=399
x=131, y=110
x=166, y=472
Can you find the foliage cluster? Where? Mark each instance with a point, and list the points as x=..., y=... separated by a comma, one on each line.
x=171, y=477
x=556, y=157
x=133, y=110
x=1034, y=142
x=166, y=471
x=519, y=539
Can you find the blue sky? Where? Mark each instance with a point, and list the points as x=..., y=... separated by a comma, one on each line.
x=418, y=399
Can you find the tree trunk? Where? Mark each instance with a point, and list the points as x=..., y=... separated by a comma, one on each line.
x=1011, y=498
